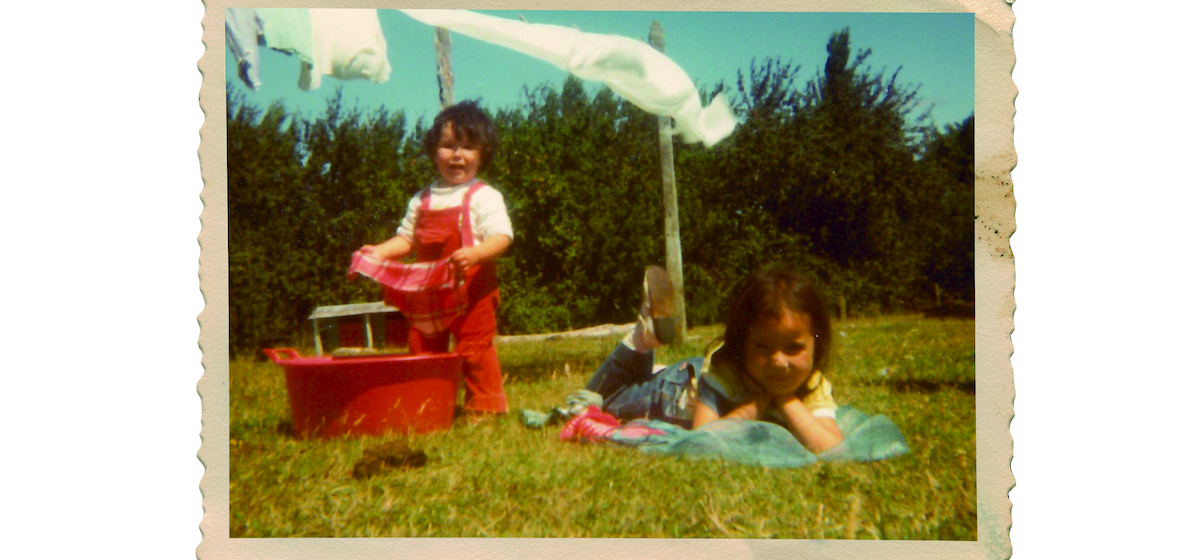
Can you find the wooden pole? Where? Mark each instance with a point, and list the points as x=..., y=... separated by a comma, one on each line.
x=317, y=337
x=441, y=43
x=666, y=150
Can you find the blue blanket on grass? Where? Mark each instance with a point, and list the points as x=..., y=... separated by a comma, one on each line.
x=751, y=442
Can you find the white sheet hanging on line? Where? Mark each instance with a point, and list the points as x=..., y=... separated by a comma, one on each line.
x=347, y=44
x=633, y=69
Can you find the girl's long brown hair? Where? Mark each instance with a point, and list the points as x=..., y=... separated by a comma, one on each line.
x=766, y=294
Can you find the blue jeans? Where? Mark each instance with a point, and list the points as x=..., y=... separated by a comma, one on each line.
x=632, y=390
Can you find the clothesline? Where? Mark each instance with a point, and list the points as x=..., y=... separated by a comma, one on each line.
x=349, y=44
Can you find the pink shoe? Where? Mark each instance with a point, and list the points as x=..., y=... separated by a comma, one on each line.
x=592, y=425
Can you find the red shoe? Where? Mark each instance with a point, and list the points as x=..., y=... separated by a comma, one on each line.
x=592, y=425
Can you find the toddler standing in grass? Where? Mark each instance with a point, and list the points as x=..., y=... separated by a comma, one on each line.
x=462, y=219
x=767, y=366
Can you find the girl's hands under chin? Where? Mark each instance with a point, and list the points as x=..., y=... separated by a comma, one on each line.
x=780, y=400
x=759, y=398
x=755, y=406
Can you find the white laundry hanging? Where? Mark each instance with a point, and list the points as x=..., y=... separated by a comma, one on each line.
x=347, y=44
x=242, y=28
x=632, y=68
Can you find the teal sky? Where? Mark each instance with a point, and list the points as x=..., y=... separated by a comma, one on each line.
x=936, y=52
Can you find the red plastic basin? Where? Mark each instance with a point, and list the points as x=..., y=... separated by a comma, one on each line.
x=372, y=395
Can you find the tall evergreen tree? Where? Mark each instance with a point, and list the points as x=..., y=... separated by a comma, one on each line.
x=857, y=198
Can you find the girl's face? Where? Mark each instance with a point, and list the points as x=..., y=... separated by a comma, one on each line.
x=457, y=160
x=779, y=352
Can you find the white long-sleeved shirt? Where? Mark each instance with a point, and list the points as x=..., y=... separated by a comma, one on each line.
x=489, y=215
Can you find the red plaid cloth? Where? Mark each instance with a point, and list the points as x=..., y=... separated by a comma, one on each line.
x=429, y=294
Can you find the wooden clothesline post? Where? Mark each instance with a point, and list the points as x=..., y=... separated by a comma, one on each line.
x=670, y=201
x=441, y=43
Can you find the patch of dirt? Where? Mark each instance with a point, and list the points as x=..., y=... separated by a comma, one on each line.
x=393, y=454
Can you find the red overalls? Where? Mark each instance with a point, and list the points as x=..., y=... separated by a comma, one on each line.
x=437, y=234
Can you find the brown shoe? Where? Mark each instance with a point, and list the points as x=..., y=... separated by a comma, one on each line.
x=658, y=306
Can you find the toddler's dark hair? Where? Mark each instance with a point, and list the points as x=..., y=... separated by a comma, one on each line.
x=468, y=121
x=766, y=294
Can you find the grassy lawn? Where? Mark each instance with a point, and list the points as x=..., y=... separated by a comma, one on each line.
x=499, y=479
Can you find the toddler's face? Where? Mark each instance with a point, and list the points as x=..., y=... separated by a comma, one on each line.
x=457, y=159
x=779, y=353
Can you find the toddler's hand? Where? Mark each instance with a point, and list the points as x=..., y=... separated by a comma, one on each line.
x=367, y=249
x=464, y=258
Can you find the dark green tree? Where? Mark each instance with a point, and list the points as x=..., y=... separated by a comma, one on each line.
x=578, y=176
x=949, y=167
x=355, y=180
x=263, y=171
x=302, y=197
x=858, y=198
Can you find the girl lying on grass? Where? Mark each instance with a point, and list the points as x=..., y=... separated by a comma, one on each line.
x=767, y=366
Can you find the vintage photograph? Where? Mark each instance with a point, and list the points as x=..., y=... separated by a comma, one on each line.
x=623, y=280
x=603, y=274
